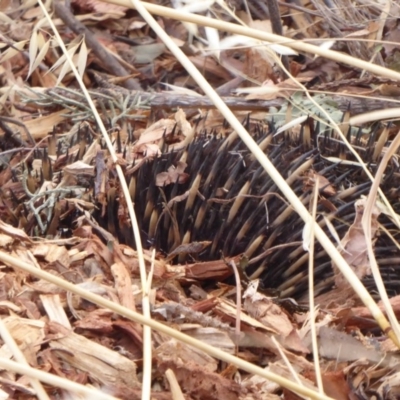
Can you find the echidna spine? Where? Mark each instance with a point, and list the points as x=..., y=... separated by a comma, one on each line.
x=229, y=200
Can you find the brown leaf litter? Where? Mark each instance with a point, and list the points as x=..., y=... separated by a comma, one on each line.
x=70, y=337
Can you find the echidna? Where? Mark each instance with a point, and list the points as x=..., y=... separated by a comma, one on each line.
x=215, y=192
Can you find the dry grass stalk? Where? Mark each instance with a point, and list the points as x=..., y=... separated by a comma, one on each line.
x=262, y=158
x=146, y=330
x=311, y=287
x=268, y=37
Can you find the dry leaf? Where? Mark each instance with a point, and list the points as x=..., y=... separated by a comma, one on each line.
x=354, y=247
x=174, y=174
x=16, y=233
x=79, y=168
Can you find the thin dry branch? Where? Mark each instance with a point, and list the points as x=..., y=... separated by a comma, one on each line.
x=169, y=100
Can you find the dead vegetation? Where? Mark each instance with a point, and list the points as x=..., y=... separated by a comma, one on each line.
x=94, y=92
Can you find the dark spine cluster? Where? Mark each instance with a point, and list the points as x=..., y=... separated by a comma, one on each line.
x=227, y=199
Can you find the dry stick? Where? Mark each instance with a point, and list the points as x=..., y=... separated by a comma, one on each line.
x=169, y=100
x=289, y=366
x=147, y=350
x=313, y=220
x=140, y=319
x=264, y=36
x=147, y=362
x=238, y=304
x=109, y=62
x=375, y=116
x=326, y=243
x=275, y=18
x=174, y=385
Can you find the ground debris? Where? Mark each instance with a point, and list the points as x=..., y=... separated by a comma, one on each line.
x=63, y=210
